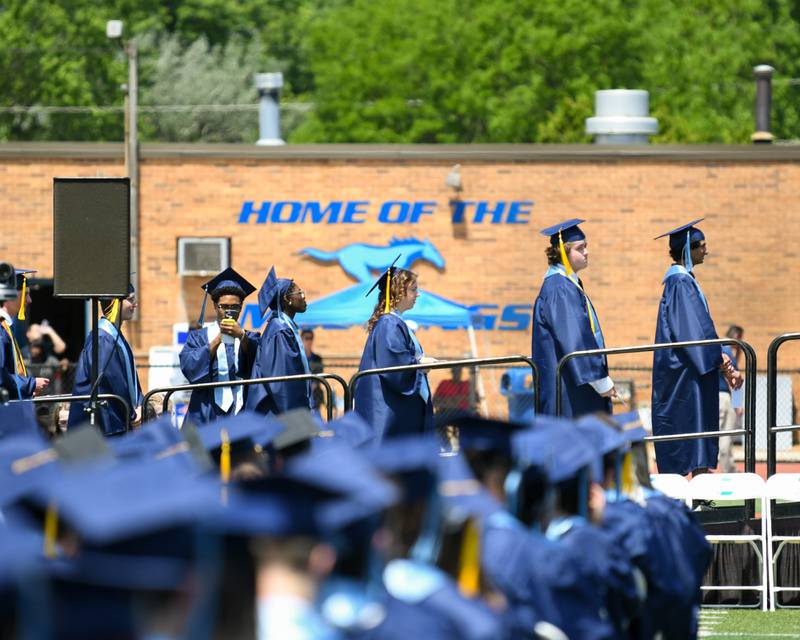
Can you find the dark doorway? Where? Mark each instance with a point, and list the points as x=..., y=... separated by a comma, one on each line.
x=66, y=316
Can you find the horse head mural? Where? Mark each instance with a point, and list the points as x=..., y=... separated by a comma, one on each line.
x=360, y=260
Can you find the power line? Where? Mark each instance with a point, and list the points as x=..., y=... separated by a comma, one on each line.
x=158, y=108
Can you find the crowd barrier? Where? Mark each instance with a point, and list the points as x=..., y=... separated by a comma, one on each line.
x=749, y=430
x=321, y=378
x=103, y=397
x=449, y=364
x=772, y=401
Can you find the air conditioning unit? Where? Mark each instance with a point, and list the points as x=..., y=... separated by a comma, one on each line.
x=203, y=256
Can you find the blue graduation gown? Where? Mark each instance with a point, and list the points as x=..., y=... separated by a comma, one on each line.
x=198, y=366
x=428, y=605
x=392, y=402
x=606, y=611
x=279, y=353
x=19, y=387
x=687, y=555
x=111, y=419
x=561, y=325
x=685, y=383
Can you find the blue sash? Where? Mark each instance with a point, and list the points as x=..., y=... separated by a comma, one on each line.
x=130, y=369
x=675, y=269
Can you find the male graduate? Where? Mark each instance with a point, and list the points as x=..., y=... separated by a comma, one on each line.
x=280, y=350
x=685, y=382
x=564, y=320
x=116, y=370
x=220, y=351
x=13, y=376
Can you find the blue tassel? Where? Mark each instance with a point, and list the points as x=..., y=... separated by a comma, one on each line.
x=687, y=253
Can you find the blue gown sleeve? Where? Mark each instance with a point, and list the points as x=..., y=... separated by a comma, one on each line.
x=115, y=379
x=9, y=379
x=195, y=358
x=281, y=357
x=244, y=367
x=688, y=319
x=394, y=348
x=565, y=309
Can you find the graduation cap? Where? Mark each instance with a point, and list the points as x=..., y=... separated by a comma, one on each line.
x=271, y=292
x=18, y=418
x=384, y=283
x=555, y=445
x=158, y=439
x=684, y=236
x=227, y=278
x=476, y=433
x=22, y=287
x=299, y=427
x=350, y=429
x=631, y=425
x=603, y=438
x=567, y=231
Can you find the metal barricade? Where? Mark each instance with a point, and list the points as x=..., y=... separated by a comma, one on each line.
x=341, y=381
x=772, y=401
x=749, y=430
x=321, y=378
x=84, y=398
x=449, y=364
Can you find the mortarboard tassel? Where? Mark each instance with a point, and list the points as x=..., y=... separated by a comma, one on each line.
x=202, y=317
x=388, y=291
x=113, y=312
x=24, y=294
x=50, y=530
x=687, y=252
x=225, y=457
x=571, y=275
x=469, y=571
x=627, y=474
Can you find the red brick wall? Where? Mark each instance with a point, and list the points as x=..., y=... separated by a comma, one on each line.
x=752, y=210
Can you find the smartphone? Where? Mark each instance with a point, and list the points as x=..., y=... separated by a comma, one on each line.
x=230, y=314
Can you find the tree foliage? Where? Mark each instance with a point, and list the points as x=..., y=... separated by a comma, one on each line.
x=402, y=70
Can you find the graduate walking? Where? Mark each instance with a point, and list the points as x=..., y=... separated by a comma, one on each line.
x=399, y=402
x=117, y=370
x=280, y=350
x=220, y=351
x=564, y=320
x=14, y=376
x=685, y=382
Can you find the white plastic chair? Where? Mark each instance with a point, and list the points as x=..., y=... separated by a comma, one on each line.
x=737, y=486
x=781, y=486
x=673, y=485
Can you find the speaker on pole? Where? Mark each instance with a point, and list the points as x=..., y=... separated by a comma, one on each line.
x=91, y=237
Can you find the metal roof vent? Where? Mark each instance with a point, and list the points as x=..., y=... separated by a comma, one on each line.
x=622, y=116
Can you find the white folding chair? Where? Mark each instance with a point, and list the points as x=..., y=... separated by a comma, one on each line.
x=673, y=485
x=781, y=486
x=736, y=486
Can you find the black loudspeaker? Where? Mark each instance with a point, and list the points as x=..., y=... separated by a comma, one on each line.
x=91, y=237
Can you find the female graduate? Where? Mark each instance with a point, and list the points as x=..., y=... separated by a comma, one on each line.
x=117, y=372
x=685, y=381
x=564, y=320
x=280, y=350
x=219, y=351
x=394, y=403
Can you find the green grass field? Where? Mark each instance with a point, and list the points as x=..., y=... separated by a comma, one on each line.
x=737, y=623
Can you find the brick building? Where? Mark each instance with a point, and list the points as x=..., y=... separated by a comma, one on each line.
x=273, y=202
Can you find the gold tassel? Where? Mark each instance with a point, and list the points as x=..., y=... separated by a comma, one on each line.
x=113, y=312
x=570, y=274
x=469, y=564
x=24, y=294
x=388, y=291
x=627, y=474
x=50, y=530
x=225, y=457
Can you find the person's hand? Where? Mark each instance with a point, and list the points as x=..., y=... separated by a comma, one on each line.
x=739, y=411
x=230, y=327
x=34, y=332
x=214, y=344
x=734, y=378
x=427, y=360
x=41, y=383
x=611, y=393
x=137, y=417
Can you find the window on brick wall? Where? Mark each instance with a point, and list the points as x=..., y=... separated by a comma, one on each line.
x=203, y=256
